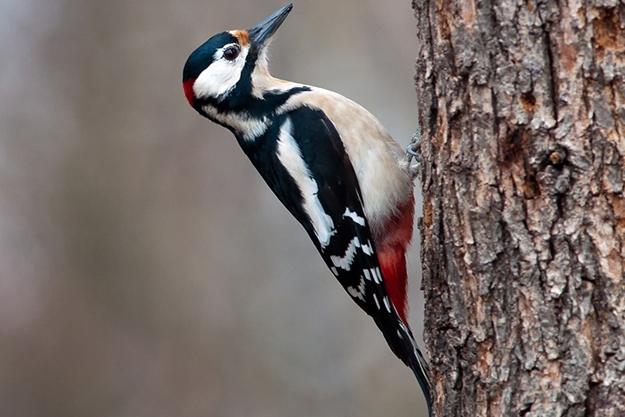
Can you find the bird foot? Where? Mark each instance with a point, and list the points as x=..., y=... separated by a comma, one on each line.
x=413, y=152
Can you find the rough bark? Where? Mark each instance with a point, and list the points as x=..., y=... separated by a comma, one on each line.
x=521, y=105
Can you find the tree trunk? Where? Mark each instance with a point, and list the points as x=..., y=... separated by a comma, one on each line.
x=521, y=105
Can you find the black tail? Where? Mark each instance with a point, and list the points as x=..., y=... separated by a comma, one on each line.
x=402, y=343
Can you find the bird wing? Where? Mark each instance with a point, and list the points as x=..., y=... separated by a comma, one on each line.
x=334, y=215
x=309, y=171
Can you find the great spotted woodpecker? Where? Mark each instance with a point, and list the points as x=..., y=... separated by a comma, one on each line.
x=329, y=161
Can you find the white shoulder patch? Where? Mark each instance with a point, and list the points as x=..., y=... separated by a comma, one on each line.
x=290, y=156
x=367, y=144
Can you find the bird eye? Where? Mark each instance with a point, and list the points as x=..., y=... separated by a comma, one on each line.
x=231, y=53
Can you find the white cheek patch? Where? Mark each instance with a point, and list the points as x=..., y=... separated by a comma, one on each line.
x=290, y=156
x=221, y=76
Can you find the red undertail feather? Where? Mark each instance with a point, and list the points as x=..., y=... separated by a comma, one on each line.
x=391, y=250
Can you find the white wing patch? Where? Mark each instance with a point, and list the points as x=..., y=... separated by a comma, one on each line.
x=354, y=216
x=377, y=276
x=367, y=274
x=387, y=304
x=377, y=303
x=358, y=292
x=373, y=273
x=290, y=156
x=345, y=261
x=367, y=248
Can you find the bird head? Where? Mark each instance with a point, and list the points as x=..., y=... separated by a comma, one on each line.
x=227, y=64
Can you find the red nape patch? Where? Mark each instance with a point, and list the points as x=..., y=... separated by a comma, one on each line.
x=188, y=91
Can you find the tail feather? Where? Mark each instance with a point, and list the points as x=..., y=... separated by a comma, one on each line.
x=421, y=369
x=391, y=247
x=401, y=341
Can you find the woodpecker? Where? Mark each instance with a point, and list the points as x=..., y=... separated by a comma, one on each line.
x=329, y=161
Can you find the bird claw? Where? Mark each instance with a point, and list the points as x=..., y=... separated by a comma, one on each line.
x=413, y=152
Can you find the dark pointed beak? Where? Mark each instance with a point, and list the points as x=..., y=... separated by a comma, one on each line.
x=262, y=32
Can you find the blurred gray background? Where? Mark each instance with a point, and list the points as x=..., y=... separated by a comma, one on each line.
x=145, y=268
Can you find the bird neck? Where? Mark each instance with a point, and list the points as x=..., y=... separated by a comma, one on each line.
x=249, y=115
